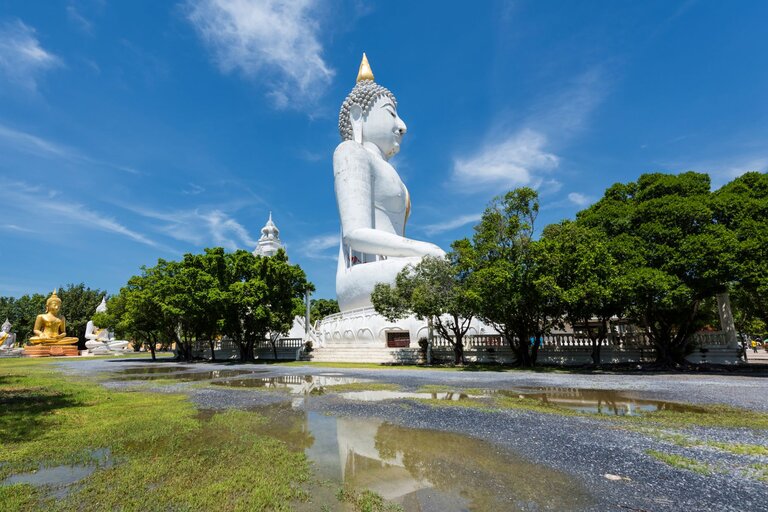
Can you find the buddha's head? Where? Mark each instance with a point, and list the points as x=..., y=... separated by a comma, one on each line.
x=53, y=304
x=369, y=114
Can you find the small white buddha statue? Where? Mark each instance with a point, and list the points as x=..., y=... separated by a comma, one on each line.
x=7, y=338
x=373, y=201
x=100, y=341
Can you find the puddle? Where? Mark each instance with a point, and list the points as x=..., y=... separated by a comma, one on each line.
x=294, y=384
x=192, y=376
x=418, y=469
x=60, y=479
x=147, y=370
x=598, y=401
x=377, y=396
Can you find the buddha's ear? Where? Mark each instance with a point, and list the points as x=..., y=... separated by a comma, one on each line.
x=356, y=119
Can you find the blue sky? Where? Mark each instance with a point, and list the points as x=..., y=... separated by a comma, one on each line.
x=131, y=131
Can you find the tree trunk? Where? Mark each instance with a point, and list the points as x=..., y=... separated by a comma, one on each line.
x=152, y=346
x=210, y=344
x=243, y=347
x=458, y=352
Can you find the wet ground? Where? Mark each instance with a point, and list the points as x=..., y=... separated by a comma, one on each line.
x=461, y=457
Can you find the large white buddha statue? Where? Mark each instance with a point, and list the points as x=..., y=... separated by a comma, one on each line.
x=100, y=341
x=373, y=201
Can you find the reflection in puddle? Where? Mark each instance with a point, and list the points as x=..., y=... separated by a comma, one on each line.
x=193, y=376
x=60, y=478
x=418, y=469
x=145, y=370
x=597, y=401
x=295, y=384
x=376, y=396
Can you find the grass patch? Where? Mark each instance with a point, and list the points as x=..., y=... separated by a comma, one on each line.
x=366, y=501
x=165, y=455
x=723, y=416
x=360, y=386
x=19, y=497
x=759, y=471
x=678, y=461
x=739, y=448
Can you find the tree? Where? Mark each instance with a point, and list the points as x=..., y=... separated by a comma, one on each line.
x=672, y=253
x=21, y=313
x=321, y=308
x=742, y=206
x=261, y=299
x=589, y=277
x=516, y=289
x=435, y=289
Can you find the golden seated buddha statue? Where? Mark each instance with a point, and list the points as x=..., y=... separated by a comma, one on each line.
x=50, y=328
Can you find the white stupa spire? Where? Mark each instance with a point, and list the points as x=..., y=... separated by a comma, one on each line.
x=269, y=243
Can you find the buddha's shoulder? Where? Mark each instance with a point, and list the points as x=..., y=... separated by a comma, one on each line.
x=351, y=149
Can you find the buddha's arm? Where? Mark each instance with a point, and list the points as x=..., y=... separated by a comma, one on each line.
x=38, y=329
x=354, y=195
x=62, y=327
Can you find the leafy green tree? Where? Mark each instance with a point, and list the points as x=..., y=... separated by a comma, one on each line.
x=262, y=298
x=510, y=273
x=672, y=253
x=21, y=312
x=435, y=289
x=208, y=322
x=321, y=308
x=588, y=276
x=742, y=206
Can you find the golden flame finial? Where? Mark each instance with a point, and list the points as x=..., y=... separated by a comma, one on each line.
x=365, y=72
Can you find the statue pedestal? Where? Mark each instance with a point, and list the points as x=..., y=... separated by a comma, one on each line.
x=51, y=350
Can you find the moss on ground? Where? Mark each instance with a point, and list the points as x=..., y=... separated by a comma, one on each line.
x=678, y=461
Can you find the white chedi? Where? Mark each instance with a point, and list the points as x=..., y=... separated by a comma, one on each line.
x=269, y=242
x=100, y=341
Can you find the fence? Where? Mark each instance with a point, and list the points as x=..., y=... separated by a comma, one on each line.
x=575, y=340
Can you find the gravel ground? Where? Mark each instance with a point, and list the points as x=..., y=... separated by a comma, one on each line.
x=582, y=447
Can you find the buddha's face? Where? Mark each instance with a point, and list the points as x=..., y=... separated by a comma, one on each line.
x=53, y=307
x=383, y=127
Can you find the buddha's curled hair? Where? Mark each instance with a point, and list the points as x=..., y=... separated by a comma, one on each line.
x=365, y=93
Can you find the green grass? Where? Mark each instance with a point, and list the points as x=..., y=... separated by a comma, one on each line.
x=19, y=497
x=165, y=455
x=678, y=461
x=366, y=501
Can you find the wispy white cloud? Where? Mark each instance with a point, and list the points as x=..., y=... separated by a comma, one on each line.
x=518, y=160
x=272, y=41
x=26, y=199
x=22, y=59
x=580, y=199
x=318, y=247
x=14, y=227
x=442, y=227
x=193, y=189
x=79, y=20
x=200, y=227
x=525, y=155
x=32, y=144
